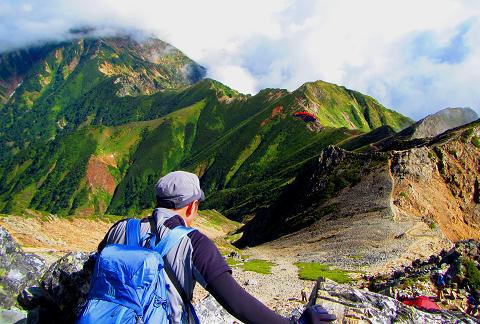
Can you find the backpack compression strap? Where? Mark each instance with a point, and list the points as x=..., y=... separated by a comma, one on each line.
x=133, y=232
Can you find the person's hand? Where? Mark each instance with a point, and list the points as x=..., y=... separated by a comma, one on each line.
x=316, y=314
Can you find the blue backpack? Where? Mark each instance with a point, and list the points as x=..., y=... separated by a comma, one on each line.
x=441, y=280
x=128, y=284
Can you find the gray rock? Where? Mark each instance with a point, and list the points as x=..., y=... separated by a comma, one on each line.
x=17, y=269
x=13, y=315
x=210, y=311
x=63, y=289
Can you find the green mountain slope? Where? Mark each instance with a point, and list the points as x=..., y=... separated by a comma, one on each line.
x=93, y=137
x=52, y=83
x=338, y=106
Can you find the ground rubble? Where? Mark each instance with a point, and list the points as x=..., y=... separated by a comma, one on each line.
x=55, y=295
x=65, y=285
x=352, y=305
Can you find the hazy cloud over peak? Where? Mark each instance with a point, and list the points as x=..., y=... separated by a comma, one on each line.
x=414, y=56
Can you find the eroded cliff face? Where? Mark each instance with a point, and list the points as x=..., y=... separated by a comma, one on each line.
x=439, y=183
x=379, y=209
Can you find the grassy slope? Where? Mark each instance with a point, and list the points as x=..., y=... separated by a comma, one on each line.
x=244, y=152
x=55, y=180
x=66, y=85
x=337, y=106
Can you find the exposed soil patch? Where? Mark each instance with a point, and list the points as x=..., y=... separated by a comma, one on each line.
x=98, y=175
x=275, y=112
x=349, y=121
x=440, y=188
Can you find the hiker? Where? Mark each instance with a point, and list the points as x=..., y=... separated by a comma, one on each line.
x=415, y=291
x=473, y=302
x=196, y=258
x=304, y=295
x=440, y=285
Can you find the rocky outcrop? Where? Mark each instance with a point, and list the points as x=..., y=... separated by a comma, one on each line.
x=210, y=311
x=438, y=182
x=62, y=290
x=352, y=305
x=377, y=209
x=17, y=269
x=13, y=315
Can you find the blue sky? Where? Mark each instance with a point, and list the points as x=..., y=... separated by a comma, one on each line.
x=416, y=57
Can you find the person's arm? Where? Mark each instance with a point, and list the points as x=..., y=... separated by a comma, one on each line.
x=240, y=303
x=215, y=275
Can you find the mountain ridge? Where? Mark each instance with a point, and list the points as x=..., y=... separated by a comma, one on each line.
x=116, y=121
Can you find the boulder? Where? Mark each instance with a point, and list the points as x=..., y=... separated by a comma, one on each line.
x=63, y=288
x=17, y=269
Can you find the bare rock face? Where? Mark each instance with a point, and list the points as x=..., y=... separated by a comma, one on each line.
x=17, y=269
x=439, y=183
x=415, y=163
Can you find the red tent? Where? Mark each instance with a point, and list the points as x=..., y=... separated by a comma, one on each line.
x=422, y=303
x=306, y=116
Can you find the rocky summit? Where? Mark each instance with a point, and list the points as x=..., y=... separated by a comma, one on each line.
x=440, y=122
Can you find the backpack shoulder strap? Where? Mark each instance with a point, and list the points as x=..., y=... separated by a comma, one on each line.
x=133, y=232
x=173, y=237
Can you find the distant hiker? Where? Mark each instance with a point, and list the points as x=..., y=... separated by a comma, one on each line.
x=440, y=285
x=415, y=291
x=194, y=258
x=304, y=295
x=473, y=302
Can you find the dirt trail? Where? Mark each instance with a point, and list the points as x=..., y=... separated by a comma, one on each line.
x=279, y=290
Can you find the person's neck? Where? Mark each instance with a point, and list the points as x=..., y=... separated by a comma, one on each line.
x=182, y=212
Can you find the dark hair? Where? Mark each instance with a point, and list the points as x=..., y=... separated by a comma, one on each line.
x=165, y=203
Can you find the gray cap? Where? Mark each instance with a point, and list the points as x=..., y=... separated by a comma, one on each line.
x=177, y=189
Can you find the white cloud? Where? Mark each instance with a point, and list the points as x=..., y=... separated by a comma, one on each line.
x=233, y=74
x=388, y=49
